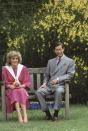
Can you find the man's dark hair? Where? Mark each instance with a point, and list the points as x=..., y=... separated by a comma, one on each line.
x=59, y=43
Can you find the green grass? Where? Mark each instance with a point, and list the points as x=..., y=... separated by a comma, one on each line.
x=78, y=121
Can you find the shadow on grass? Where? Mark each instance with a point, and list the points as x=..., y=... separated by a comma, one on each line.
x=76, y=113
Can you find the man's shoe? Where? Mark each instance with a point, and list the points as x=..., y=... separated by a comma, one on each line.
x=55, y=115
x=54, y=118
x=49, y=117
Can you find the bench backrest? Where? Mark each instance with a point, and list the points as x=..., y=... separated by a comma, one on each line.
x=37, y=76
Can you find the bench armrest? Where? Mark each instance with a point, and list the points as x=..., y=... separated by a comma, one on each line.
x=67, y=99
x=3, y=101
x=67, y=81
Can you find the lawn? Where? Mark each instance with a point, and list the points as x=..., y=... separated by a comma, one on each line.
x=78, y=121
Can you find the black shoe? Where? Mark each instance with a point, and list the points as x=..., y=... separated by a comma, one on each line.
x=48, y=115
x=55, y=115
x=55, y=118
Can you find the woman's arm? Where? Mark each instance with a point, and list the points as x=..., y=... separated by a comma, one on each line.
x=26, y=82
x=7, y=83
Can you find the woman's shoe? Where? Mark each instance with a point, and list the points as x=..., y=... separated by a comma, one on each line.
x=21, y=120
x=25, y=120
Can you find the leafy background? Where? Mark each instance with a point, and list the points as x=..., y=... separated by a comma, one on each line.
x=33, y=27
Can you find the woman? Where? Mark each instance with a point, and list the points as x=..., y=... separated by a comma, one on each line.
x=16, y=79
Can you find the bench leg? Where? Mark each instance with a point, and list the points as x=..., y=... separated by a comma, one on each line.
x=67, y=100
x=3, y=102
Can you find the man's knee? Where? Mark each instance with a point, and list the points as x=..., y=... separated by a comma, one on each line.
x=39, y=91
x=59, y=90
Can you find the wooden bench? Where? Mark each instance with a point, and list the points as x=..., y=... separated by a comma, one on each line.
x=37, y=75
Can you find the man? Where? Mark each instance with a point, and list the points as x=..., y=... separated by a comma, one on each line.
x=58, y=70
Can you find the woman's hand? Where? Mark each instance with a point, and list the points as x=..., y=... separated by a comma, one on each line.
x=11, y=86
x=22, y=86
x=16, y=83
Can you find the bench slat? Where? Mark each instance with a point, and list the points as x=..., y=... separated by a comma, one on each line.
x=38, y=81
x=32, y=80
x=37, y=70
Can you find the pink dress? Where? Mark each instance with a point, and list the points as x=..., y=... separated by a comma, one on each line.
x=19, y=95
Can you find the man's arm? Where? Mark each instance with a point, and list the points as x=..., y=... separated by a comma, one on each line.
x=69, y=74
x=47, y=75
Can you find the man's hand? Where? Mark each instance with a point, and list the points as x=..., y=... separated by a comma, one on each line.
x=53, y=82
x=43, y=85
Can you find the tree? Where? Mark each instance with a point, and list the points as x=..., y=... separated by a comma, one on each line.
x=33, y=29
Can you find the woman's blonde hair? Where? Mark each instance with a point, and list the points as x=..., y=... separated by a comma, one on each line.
x=12, y=54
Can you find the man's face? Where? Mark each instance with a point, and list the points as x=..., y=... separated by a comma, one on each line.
x=59, y=50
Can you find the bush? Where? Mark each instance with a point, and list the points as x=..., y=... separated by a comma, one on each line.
x=35, y=29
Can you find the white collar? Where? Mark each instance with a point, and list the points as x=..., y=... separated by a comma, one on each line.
x=19, y=69
x=61, y=57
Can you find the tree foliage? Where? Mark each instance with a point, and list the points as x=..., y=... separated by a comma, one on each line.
x=33, y=29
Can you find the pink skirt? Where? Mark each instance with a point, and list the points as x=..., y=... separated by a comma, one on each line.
x=16, y=95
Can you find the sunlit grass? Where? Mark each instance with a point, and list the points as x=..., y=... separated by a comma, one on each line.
x=78, y=121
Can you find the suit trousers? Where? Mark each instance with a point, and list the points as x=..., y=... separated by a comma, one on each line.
x=42, y=92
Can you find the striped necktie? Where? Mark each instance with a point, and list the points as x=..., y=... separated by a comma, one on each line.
x=59, y=59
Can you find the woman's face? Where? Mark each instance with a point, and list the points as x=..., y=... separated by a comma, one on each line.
x=14, y=61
